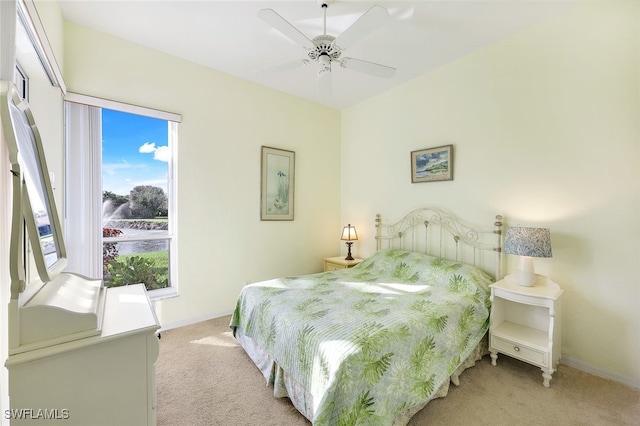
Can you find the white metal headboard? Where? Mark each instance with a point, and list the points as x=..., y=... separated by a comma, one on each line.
x=440, y=233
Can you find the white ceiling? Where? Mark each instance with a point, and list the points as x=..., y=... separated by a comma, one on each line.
x=228, y=36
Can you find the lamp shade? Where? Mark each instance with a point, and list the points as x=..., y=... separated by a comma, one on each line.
x=349, y=233
x=532, y=242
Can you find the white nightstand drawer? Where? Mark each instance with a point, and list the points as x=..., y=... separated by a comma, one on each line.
x=329, y=266
x=339, y=262
x=519, y=351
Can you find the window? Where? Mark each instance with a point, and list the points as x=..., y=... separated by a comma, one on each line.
x=21, y=80
x=135, y=209
x=121, y=194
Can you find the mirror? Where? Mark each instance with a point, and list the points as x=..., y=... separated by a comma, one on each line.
x=35, y=194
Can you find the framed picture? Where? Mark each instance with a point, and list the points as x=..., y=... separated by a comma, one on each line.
x=276, y=184
x=432, y=164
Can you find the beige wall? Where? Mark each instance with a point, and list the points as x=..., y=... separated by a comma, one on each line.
x=545, y=128
x=222, y=242
x=50, y=15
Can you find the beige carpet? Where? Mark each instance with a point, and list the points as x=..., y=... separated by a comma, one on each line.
x=205, y=378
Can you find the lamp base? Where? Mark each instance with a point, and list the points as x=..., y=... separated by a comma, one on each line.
x=349, y=257
x=525, y=280
x=525, y=276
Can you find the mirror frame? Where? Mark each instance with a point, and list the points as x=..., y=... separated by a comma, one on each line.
x=21, y=201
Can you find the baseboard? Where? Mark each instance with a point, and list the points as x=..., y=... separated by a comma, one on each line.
x=193, y=320
x=600, y=372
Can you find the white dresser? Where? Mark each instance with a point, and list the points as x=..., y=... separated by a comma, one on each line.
x=79, y=354
x=105, y=379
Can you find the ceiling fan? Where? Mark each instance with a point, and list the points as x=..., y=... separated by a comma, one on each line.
x=326, y=49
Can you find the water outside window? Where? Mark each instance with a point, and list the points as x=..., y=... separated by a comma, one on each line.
x=135, y=210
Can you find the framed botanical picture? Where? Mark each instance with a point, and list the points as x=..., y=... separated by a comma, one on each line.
x=276, y=184
x=432, y=164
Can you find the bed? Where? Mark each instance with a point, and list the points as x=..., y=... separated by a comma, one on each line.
x=375, y=343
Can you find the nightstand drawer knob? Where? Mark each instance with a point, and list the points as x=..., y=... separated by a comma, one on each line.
x=516, y=348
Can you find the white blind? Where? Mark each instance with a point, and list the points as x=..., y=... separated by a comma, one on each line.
x=83, y=223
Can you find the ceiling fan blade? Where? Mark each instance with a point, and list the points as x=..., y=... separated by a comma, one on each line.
x=285, y=27
x=367, y=67
x=368, y=22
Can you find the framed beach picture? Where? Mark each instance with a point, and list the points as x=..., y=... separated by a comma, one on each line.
x=432, y=164
x=276, y=184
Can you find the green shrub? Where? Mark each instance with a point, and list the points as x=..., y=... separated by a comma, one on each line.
x=125, y=270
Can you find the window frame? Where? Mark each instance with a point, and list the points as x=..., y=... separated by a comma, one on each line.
x=90, y=180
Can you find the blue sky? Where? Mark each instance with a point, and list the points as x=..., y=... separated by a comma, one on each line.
x=134, y=151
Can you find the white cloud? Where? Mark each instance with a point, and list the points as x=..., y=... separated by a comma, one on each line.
x=148, y=148
x=160, y=153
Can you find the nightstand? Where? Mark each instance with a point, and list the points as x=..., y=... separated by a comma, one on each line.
x=333, y=263
x=526, y=322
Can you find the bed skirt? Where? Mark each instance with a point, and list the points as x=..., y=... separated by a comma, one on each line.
x=286, y=386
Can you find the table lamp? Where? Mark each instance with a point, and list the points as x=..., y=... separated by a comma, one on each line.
x=349, y=235
x=527, y=243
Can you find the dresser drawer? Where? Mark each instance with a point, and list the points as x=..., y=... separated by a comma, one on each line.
x=522, y=352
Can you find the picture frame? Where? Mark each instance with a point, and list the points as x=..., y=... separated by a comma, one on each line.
x=432, y=164
x=277, y=183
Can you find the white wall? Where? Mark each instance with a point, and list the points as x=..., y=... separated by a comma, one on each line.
x=545, y=128
x=222, y=242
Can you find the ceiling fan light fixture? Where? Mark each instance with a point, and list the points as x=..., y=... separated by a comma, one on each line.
x=323, y=45
x=324, y=73
x=324, y=60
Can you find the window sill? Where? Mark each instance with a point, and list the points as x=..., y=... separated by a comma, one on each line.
x=163, y=293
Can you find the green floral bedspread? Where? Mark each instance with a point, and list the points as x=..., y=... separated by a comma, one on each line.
x=371, y=341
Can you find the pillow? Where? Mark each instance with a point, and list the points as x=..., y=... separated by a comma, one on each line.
x=411, y=267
